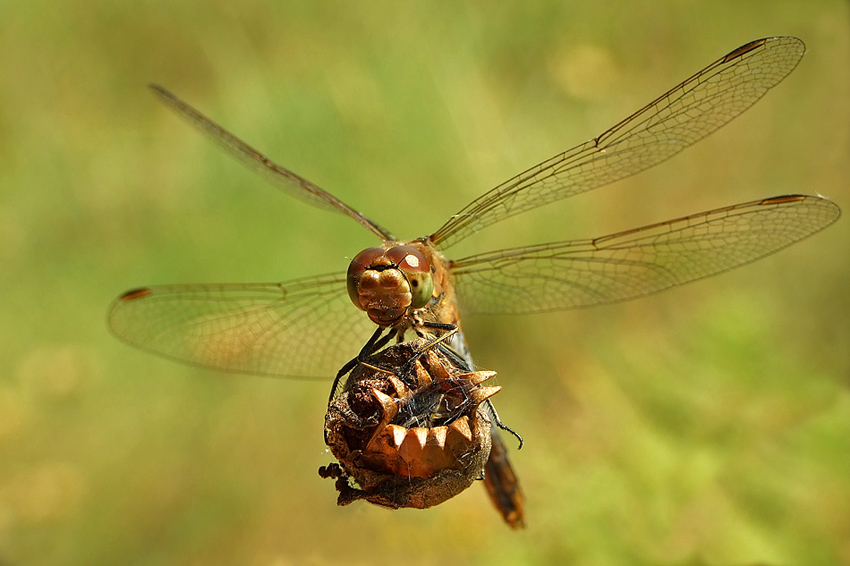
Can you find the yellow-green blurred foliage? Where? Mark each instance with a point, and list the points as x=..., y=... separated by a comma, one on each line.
x=706, y=425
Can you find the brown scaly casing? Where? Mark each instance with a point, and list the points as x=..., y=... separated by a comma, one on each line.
x=411, y=438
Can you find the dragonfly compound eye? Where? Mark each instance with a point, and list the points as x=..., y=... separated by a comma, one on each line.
x=356, y=269
x=417, y=270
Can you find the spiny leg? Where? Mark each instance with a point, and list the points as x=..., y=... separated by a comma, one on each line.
x=498, y=422
x=448, y=330
x=375, y=343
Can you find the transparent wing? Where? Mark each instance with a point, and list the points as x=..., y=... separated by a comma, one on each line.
x=626, y=265
x=677, y=119
x=289, y=182
x=303, y=329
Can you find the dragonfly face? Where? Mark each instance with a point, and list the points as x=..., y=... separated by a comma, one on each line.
x=402, y=285
x=389, y=282
x=308, y=328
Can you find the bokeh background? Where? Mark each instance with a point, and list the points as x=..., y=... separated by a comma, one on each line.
x=706, y=425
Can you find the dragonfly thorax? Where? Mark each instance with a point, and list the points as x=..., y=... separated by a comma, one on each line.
x=390, y=282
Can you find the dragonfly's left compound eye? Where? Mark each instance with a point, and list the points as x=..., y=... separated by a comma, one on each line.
x=417, y=270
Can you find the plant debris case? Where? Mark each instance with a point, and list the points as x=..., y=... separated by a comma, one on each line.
x=408, y=429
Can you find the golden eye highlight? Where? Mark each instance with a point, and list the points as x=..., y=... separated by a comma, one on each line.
x=410, y=261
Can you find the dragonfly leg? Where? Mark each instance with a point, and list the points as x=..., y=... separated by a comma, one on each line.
x=456, y=358
x=440, y=326
x=435, y=342
x=375, y=343
x=498, y=422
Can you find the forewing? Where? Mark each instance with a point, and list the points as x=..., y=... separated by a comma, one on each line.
x=304, y=329
x=677, y=119
x=631, y=264
x=289, y=182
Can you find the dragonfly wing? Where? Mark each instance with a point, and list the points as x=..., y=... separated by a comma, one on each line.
x=305, y=328
x=626, y=265
x=289, y=182
x=677, y=119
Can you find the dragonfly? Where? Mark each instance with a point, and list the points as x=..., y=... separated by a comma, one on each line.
x=308, y=328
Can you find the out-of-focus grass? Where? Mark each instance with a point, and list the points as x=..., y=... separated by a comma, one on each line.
x=707, y=425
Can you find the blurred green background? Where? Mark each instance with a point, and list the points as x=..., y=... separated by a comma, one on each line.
x=706, y=425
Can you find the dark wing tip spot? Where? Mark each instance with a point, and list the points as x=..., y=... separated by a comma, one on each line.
x=744, y=49
x=783, y=199
x=136, y=294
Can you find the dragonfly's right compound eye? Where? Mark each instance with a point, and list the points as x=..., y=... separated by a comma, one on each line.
x=356, y=269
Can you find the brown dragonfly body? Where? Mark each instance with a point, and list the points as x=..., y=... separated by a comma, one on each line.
x=404, y=286
x=307, y=328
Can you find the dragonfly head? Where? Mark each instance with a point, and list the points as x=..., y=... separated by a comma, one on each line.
x=388, y=283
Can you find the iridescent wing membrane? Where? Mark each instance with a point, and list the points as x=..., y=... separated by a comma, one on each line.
x=684, y=115
x=635, y=263
x=308, y=328
x=291, y=183
x=305, y=328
